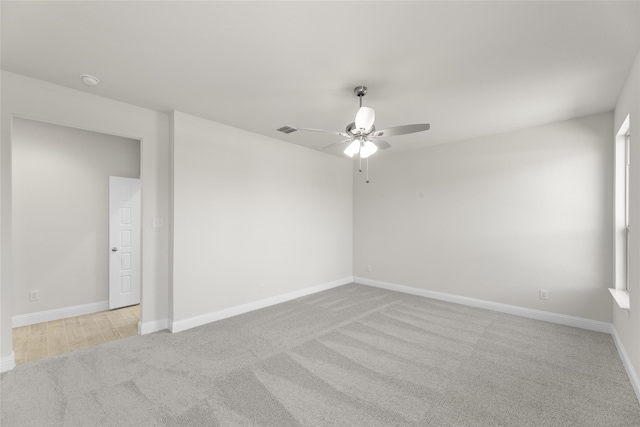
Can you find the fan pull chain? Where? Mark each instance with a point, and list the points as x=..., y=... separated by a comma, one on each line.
x=360, y=166
x=367, y=170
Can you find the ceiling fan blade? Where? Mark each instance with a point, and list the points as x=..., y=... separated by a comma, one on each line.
x=324, y=131
x=365, y=118
x=335, y=144
x=383, y=145
x=402, y=130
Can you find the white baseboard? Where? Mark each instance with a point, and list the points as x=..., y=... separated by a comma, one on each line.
x=153, y=326
x=562, y=319
x=59, y=313
x=192, y=322
x=626, y=362
x=8, y=363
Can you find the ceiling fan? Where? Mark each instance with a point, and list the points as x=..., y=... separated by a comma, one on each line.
x=362, y=134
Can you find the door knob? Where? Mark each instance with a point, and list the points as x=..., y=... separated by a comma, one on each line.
x=114, y=249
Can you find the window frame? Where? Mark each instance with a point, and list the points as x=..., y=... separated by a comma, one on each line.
x=621, y=229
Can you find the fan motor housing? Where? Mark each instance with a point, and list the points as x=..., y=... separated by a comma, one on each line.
x=353, y=131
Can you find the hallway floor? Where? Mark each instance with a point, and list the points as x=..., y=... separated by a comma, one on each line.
x=47, y=339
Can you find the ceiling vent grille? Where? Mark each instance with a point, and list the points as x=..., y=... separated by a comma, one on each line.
x=287, y=129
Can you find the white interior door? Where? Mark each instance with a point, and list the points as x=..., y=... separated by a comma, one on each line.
x=124, y=241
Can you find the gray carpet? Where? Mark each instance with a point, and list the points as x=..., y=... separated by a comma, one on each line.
x=350, y=356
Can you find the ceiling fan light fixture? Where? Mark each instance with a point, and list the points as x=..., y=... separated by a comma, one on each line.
x=365, y=117
x=353, y=148
x=362, y=132
x=368, y=148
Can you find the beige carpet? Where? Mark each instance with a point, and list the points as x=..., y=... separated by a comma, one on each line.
x=350, y=356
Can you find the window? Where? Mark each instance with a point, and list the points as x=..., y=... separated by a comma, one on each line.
x=621, y=215
x=627, y=170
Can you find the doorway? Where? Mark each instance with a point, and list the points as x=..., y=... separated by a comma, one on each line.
x=60, y=181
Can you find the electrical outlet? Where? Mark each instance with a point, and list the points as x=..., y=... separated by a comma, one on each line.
x=368, y=268
x=544, y=294
x=34, y=295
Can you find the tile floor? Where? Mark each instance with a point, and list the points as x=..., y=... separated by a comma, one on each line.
x=42, y=340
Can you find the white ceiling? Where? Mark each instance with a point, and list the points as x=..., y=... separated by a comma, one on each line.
x=468, y=68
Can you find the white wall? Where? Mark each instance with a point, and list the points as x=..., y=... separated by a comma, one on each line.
x=60, y=212
x=254, y=217
x=41, y=101
x=496, y=218
x=627, y=324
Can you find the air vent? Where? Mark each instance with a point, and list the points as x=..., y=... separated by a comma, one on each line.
x=287, y=129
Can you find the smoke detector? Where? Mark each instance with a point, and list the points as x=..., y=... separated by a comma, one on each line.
x=89, y=80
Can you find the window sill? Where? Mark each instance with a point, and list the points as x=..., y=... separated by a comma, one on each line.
x=621, y=297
